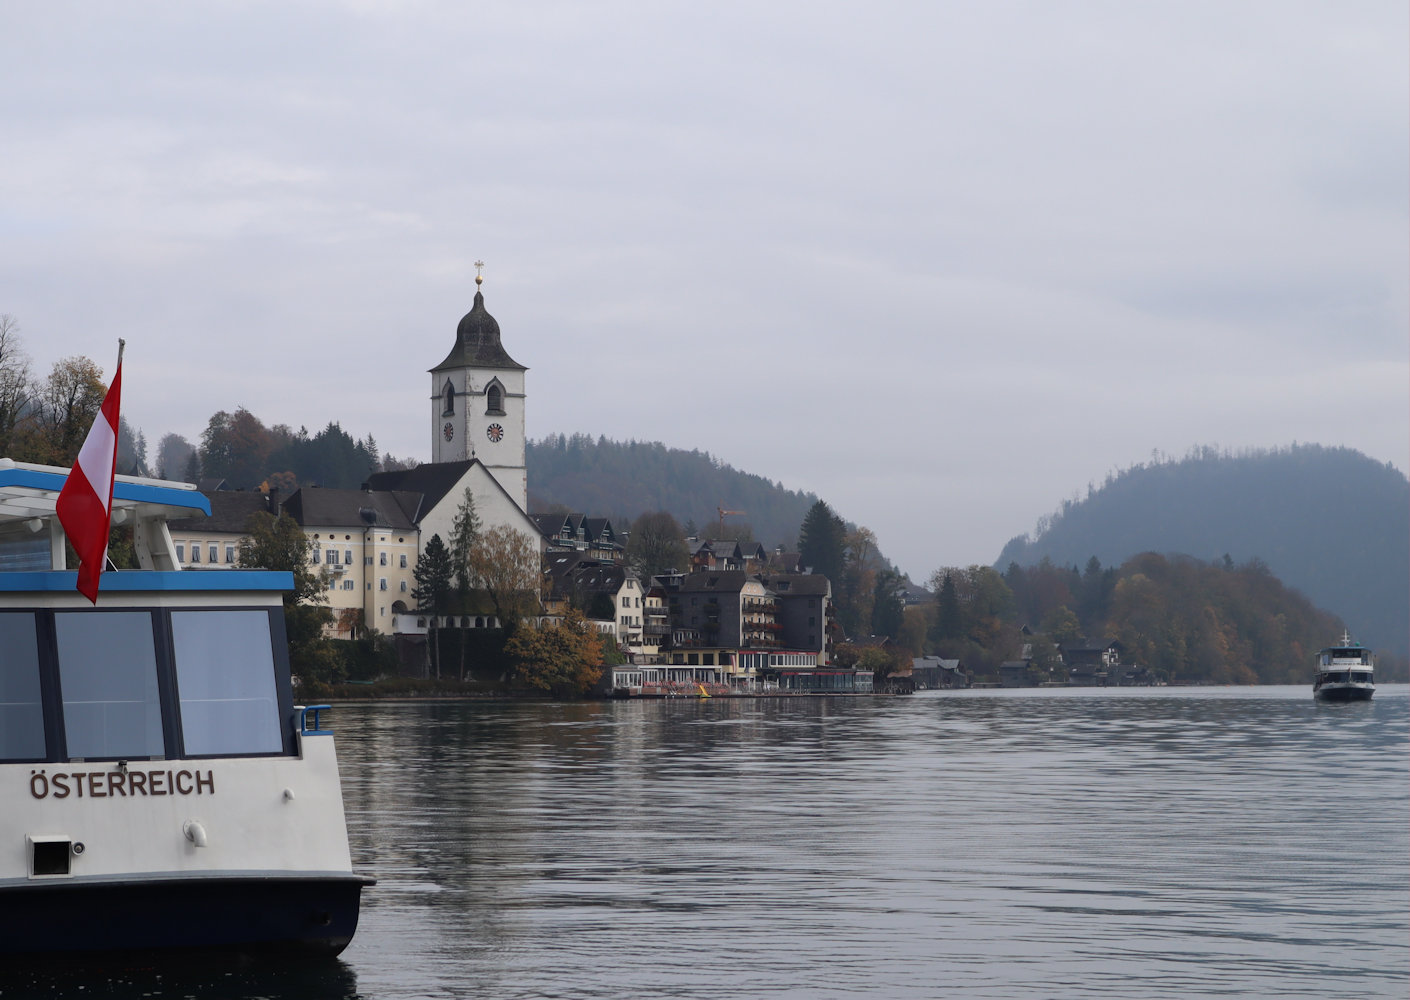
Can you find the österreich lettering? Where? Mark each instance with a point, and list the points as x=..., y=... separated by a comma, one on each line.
x=119, y=784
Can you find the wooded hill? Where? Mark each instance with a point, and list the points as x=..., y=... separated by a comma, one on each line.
x=1330, y=522
x=1186, y=620
x=623, y=479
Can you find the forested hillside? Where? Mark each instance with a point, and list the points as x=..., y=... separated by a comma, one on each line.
x=1190, y=621
x=1330, y=522
x=622, y=479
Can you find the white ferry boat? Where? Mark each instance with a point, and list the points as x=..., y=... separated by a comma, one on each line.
x=1344, y=672
x=161, y=790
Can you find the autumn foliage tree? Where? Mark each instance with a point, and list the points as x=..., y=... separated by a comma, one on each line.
x=505, y=565
x=563, y=659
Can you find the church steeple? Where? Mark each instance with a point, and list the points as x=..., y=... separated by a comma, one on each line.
x=477, y=402
x=477, y=342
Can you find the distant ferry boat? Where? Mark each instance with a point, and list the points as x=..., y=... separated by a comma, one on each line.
x=159, y=788
x=1344, y=672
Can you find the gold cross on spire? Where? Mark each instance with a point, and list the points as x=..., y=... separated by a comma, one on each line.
x=479, y=264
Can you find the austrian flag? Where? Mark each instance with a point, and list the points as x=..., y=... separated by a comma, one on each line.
x=85, y=505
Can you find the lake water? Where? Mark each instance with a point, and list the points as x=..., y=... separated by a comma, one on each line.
x=1053, y=843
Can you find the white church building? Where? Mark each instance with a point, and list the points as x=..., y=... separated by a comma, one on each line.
x=368, y=540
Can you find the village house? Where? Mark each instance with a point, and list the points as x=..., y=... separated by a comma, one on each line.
x=593, y=537
x=1092, y=663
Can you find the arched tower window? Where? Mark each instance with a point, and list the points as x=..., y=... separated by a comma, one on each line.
x=448, y=394
x=494, y=399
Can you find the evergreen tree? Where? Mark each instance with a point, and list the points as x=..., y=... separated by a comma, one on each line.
x=464, y=532
x=888, y=609
x=949, y=620
x=822, y=542
x=433, y=575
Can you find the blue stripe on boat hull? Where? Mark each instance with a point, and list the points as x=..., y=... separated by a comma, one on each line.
x=247, y=915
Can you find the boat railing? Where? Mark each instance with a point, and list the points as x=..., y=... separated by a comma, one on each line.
x=309, y=722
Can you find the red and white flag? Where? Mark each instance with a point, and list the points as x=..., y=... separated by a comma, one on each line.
x=85, y=505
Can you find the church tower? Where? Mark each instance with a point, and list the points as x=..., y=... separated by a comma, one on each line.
x=477, y=402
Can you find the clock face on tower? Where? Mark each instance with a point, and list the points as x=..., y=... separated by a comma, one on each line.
x=494, y=432
x=448, y=430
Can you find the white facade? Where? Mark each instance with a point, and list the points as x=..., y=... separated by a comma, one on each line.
x=480, y=414
x=477, y=403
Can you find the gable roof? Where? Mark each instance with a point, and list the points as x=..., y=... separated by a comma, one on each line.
x=314, y=508
x=433, y=481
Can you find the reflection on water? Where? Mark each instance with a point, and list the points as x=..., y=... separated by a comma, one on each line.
x=127, y=977
x=1152, y=843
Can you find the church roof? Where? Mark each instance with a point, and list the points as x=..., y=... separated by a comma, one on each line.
x=431, y=479
x=477, y=342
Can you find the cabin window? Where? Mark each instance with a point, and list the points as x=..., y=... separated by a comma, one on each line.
x=225, y=678
x=108, y=674
x=21, y=714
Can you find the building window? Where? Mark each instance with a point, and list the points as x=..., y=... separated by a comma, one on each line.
x=315, y=557
x=448, y=400
x=382, y=583
x=332, y=557
x=181, y=552
x=347, y=557
x=403, y=562
x=230, y=553
x=347, y=585
x=403, y=586
x=382, y=558
x=494, y=399
x=211, y=552
x=195, y=552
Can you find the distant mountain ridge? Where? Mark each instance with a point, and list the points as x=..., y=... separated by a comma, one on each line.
x=1330, y=522
x=624, y=479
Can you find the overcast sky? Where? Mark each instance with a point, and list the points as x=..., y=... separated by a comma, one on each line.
x=943, y=264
